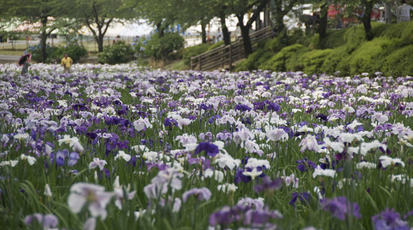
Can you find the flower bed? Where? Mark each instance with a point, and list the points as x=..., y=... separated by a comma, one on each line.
x=123, y=147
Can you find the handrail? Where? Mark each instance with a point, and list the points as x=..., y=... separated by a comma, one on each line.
x=227, y=55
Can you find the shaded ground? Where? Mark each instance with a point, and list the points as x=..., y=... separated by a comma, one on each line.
x=9, y=58
x=14, y=59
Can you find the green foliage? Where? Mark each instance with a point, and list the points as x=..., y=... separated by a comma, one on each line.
x=73, y=50
x=388, y=30
x=354, y=37
x=159, y=48
x=399, y=63
x=337, y=60
x=193, y=51
x=116, y=53
x=254, y=60
x=334, y=39
x=407, y=34
x=314, y=60
x=37, y=52
x=54, y=54
x=275, y=44
x=297, y=36
x=278, y=61
x=295, y=63
x=370, y=56
x=216, y=45
x=315, y=42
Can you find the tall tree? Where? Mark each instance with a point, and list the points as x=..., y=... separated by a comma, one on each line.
x=366, y=19
x=279, y=9
x=47, y=12
x=98, y=15
x=322, y=27
x=240, y=8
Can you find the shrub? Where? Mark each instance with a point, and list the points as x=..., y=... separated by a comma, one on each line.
x=315, y=42
x=338, y=59
x=399, y=62
x=388, y=30
x=297, y=36
x=275, y=45
x=314, y=60
x=354, y=37
x=295, y=63
x=278, y=61
x=216, y=45
x=73, y=50
x=116, y=53
x=370, y=56
x=334, y=39
x=55, y=54
x=37, y=52
x=407, y=34
x=254, y=60
x=160, y=48
x=194, y=51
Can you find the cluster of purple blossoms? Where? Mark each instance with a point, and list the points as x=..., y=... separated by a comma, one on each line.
x=389, y=220
x=247, y=212
x=340, y=207
x=62, y=155
x=47, y=221
x=209, y=149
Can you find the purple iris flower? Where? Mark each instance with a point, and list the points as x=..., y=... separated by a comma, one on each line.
x=61, y=156
x=209, y=148
x=304, y=197
x=339, y=207
x=169, y=122
x=389, y=220
x=305, y=164
x=224, y=216
x=199, y=193
x=241, y=177
x=269, y=185
x=47, y=221
x=242, y=107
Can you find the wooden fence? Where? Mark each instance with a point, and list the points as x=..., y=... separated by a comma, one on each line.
x=224, y=57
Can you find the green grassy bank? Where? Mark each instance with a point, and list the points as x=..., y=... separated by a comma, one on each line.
x=346, y=50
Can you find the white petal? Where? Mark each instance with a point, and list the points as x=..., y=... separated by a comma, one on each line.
x=76, y=202
x=90, y=224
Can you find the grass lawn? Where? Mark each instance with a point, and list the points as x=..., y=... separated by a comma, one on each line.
x=11, y=52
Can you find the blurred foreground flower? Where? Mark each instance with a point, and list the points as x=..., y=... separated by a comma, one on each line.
x=94, y=195
x=47, y=221
x=389, y=219
x=199, y=193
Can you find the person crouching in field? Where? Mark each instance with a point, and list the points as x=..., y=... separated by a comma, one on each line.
x=66, y=63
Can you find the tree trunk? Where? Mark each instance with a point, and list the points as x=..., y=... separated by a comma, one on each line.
x=278, y=15
x=368, y=7
x=388, y=14
x=203, y=33
x=322, y=28
x=99, y=40
x=43, y=39
x=225, y=32
x=246, y=41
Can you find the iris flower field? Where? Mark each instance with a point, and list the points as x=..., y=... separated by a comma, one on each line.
x=126, y=147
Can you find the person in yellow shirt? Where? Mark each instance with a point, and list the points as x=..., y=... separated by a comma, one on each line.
x=66, y=63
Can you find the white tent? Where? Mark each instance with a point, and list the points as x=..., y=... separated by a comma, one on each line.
x=125, y=29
